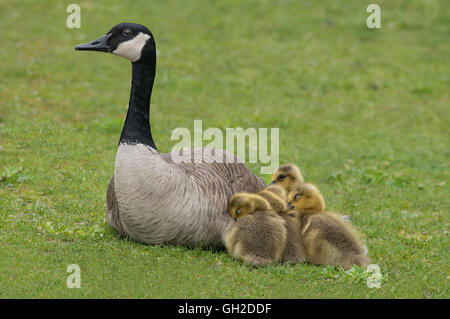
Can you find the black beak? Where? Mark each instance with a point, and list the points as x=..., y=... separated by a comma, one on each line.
x=96, y=45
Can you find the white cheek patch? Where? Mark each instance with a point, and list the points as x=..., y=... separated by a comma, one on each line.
x=131, y=49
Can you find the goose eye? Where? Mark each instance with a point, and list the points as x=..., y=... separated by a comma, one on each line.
x=238, y=212
x=127, y=32
x=282, y=176
x=297, y=197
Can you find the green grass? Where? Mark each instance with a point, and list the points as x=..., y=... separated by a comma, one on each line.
x=365, y=113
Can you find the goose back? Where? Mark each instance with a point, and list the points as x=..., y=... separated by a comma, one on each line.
x=154, y=200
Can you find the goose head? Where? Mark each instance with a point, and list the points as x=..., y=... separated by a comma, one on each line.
x=131, y=41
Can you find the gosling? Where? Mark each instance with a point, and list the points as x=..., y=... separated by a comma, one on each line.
x=288, y=176
x=271, y=198
x=308, y=197
x=258, y=238
x=242, y=204
x=326, y=237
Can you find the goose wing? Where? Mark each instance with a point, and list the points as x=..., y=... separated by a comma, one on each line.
x=228, y=166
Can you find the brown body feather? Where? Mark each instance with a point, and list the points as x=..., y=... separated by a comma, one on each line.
x=112, y=209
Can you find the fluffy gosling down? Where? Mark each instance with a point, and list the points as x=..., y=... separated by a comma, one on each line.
x=288, y=176
x=271, y=198
x=257, y=239
x=276, y=196
x=326, y=237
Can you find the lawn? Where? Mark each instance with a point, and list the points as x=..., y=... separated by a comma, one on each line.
x=364, y=112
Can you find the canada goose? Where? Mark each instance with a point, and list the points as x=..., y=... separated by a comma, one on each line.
x=258, y=238
x=287, y=176
x=307, y=197
x=243, y=204
x=327, y=238
x=151, y=198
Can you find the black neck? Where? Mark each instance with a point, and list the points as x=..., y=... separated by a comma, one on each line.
x=136, y=129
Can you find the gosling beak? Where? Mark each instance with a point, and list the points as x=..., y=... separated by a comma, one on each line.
x=96, y=45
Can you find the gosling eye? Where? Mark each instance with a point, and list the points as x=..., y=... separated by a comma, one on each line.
x=297, y=197
x=238, y=212
x=281, y=177
x=127, y=32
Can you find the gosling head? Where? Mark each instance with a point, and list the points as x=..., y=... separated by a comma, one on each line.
x=287, y=176
x=240, y=205
x=306, y=197
x=132, y=41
